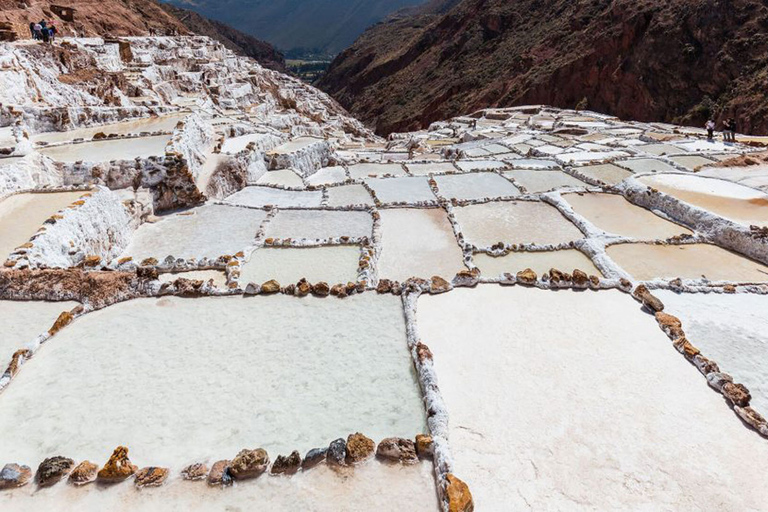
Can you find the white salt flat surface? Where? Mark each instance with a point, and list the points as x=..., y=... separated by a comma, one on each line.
x=475, y=185
x=294, y=145
x=732, y=330
x=209, y=231
x=427, y=168
x=691, y=162
x=203, y=378
x=314, y=224
x=332, y=264
x=540, y=262
x=359, y=171
x=408, y=189
x=108, y=150
x=730, y=200
x=607, y=173
x=148, y=124
x=236, y=144
x=328, y=176
x=589, y=156
x=592, y=411
x=349, y=195
x=614, y=214
x=661, y=149
x=540, y=180
x=282, y=177
x=22, y=321
x=21, y=215
x=478, y=165
x=706, y=146
x=534, y=163
x=371, y=486
x=418, y=243
x=262, y=196
x=517, y=222
x=694, y=261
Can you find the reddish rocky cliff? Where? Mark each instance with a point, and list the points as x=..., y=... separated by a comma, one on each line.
x=670, y=60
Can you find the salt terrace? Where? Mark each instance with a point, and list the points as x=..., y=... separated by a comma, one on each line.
x=245, y=286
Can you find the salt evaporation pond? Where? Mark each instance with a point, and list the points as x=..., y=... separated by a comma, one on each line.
x=418, y=243
x=565, y=260
x=690, y=261
x=109, y=150
x=691, y=162
x=349, y=195
x=480, y=165
x=423, y=169
x=614, y=214
x=607, y=173
x=21, y=215
x=213, y=375
x=23, y=321
x=332, y=264
x=318, y=224
x=518, y=222
x=371, y=486
x=328, y=176
x=536, y=181
x=732, y=330
x=282, y=178
x=475, y=185
x=359, y=171
x=647, y=165
x=165, y=123
x=409, y=190
x=673, y=445
x=209, y=231
x=267, y=196
x=729, y=200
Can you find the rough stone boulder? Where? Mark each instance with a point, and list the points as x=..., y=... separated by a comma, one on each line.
x=196, y=471
x=321, y=289
x=84, y=473
x=150, y=477
x=53, y=469
x=649, y=300
x=286, y=465
x=219, y=474
x=249, y=464
x=384, y=286
x=580, y=279
x=270, y=287
x=314, y=457
x=671, y=325
x=303, y=288
x=466, y=278
x=64, y=319
x=439, y=285
x=118, y=467
x=14, y=475
x=397, y=449
x=738, y=394
x=359, y=448
x=425, y=446
x=337, y=453
x=459, y=497
x=527, y=276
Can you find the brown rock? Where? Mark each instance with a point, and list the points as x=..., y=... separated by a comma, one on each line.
x=423, y=352
x=286, y=465
x=118, y=467
x=705, y=366
x=149, y=273
x=270, y=287
x=92, y=261
x=459, y=497
x=384, y=286
x=555, y=276
x=649, y=300
x=14, y=475
x=321, y=289
x=425, y=446
x=625, y=284
x=671, y=325
x=752, y=418
x=580, y=279
x=303, y=288
x=594, y=282
x=467, y=278
x=527, y=277
x=685, y=347
x=53, y=469
x=64, y=319
x=439, y=285
x=249, y=464
x=84, y=473
x=196, y=471
x=339, y=290
x=729, y=288
x=219, y=474
x=397, y=449
x=23, y=354
x=149, y=262
x=359, y=448
x=150, y=477
x=718, y=379
x=738, y=394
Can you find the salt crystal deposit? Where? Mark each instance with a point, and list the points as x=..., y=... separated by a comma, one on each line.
x=207, y=259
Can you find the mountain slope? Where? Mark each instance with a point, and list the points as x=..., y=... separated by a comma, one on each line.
x=326, y=26
x=672, y=60
x=238, y=42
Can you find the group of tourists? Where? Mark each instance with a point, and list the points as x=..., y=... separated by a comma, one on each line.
x=43, y=31
x=729, y=130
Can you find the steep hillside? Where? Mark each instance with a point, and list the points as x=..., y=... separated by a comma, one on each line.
x=320, y=27
x=671, y=60
x=238, y=42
